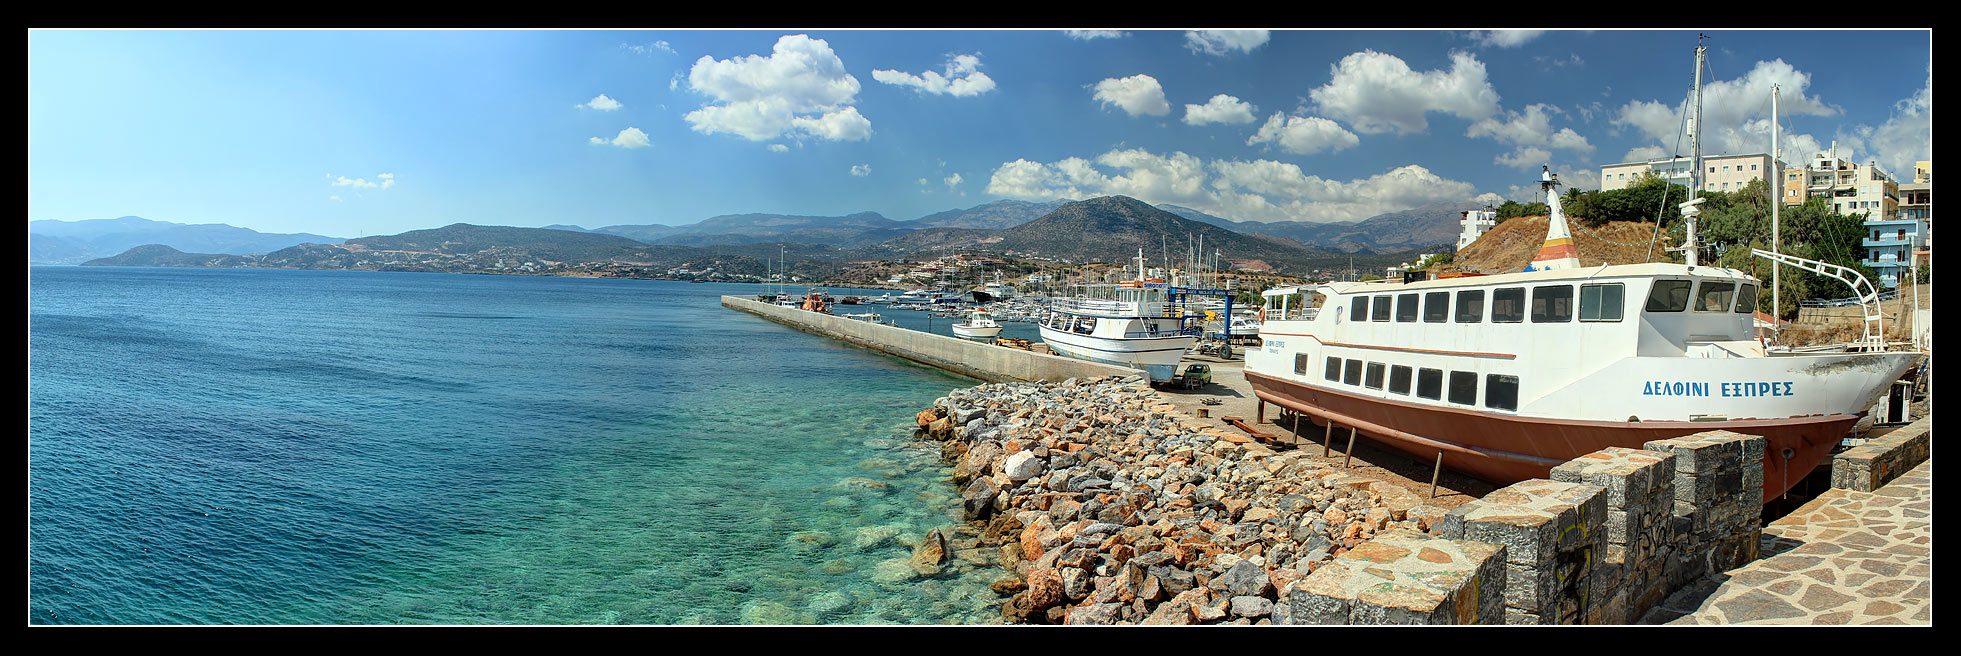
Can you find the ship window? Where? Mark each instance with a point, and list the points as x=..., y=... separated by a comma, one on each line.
x=1405, y=308
x=1501, y=392
x=1464, y=387
x=1746, y=299
x=1669, y=296
x=1374, y=378
x=1436, y=307
x=1334, y=369
x=1351, y=372
x=1552, y=304
x=1508, y=305
x=1300, y=364
x=1601, y=302
x=1359, y=311
x=1714, y=296
x=1399, y=379
x=1470, y=306
x=1381, y=310
x=1430, y=383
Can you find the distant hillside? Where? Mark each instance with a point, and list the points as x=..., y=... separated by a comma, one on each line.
x=161, y=255
x=462, y=238
x=72, y=242
x=1410, y=229
x=987, y=216
x=1108, y=229
x=862, y=228
x=1510, y=245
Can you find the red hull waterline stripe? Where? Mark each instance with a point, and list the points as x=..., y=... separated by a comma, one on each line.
x=1796, y=445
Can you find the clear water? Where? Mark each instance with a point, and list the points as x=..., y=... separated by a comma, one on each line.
x=317, y=447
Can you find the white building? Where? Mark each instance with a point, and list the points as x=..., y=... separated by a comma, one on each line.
x=1476, y=223
x=1722, y=172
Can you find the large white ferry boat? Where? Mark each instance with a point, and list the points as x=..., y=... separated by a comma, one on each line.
x=1139, y=327
x=1509, y=375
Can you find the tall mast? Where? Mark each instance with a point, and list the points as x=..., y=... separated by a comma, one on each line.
x=1695, y=153
x=1776, y=199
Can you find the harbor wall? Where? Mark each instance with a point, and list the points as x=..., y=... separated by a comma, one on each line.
x=973, y=359
x=1869, y=466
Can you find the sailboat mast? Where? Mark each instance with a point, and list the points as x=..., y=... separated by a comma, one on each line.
x=1695, y=152
x=1776, y=199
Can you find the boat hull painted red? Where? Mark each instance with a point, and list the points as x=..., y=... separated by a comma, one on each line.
x=1505, y=449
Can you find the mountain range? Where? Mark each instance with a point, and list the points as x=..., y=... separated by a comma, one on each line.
x=72, y=242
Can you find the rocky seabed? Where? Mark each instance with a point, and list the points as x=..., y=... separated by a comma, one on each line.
x=1103, y=504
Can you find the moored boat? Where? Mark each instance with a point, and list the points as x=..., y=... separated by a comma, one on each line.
x=1141, y=327
x=979, y=324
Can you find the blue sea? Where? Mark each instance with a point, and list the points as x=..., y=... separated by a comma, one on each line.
x=218, y=446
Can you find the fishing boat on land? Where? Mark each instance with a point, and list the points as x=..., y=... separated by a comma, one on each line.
x=979, y=324
x=1142, y=327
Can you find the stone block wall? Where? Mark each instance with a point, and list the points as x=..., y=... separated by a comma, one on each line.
x=1716, y=517
x=1405, y=577
x=1640, y=492
x=1866, y=467
x=1552, y=534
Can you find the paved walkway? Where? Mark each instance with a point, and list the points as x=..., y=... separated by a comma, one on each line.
x=1844, y=558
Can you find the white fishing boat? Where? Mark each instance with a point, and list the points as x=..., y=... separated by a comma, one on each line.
x=1139, y=327
x=1505, y=376
x=979, y=324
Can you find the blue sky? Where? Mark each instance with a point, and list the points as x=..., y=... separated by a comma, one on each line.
x=350, y=133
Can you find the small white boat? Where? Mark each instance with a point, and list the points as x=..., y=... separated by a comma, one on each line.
x=980, y=324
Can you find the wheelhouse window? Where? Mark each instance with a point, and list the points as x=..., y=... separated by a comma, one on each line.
x=1436, y=307
x=1470, y=306
x=1351, y=372
x=1374, y=378
x=1430, y=383
x=1360, y=310
x=1552, y=304
x=1464, y=387
x=1669, y=296
x=1399, y=376
x=1714, y=296
x=1601, y=302
x=1501, y=392
x=1508, y=305
x=1334, y=369
x=1381, y=310
x=1405, y=308
x=1746, y=299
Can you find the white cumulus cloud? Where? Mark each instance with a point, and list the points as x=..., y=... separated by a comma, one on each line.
x=1373, y=92
x=382, y=181
x=1734, y=112
x=800, y=89
x=1222, y=42
x=603, y=103
x=861, y=170
x=1260, y=190
x=1088, y=35
x=628, y=138
x=962, y=78
x=1138, y=95
x=1303, y=135
x=1506, y=38
x=1220, y=109
x=1531, y=134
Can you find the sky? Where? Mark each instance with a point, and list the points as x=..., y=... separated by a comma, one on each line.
x=364, y=132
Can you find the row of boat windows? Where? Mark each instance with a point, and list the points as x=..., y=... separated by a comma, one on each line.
x=1550, y=303
x=1460, y=387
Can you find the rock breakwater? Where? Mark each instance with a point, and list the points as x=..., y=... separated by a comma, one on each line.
x=1103, y=504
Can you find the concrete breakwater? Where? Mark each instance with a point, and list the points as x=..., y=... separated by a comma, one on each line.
x=1107, y=505
x=974, y=359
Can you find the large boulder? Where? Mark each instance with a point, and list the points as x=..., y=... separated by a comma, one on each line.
x=977, y=500
x=930, y=554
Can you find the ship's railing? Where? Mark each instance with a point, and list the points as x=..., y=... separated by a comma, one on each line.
x=1292, y=314
x=1868, y=297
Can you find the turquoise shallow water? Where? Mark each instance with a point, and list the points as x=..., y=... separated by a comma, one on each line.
x=311, y=447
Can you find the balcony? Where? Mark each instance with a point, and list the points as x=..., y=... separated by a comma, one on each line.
x=1887, y=241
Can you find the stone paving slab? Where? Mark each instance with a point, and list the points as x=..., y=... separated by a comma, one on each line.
x=1846, y=557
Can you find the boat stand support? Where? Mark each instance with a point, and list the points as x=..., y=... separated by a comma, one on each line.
x=1350, y=454
x=1436, y=472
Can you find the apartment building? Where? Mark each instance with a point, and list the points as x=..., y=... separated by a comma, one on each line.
x=1721, y=172
x=1476, y=223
